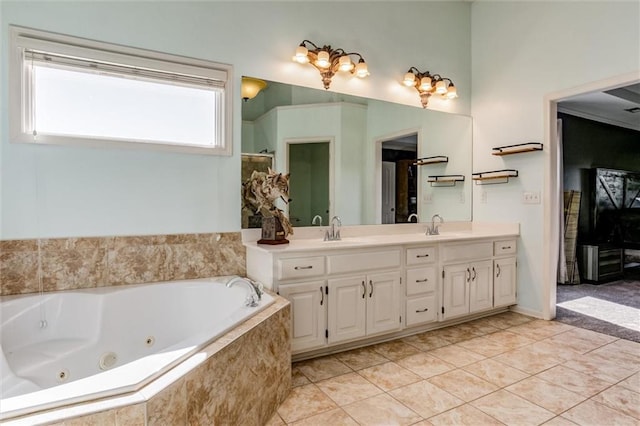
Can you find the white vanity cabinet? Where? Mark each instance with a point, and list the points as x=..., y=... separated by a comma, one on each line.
x=309, y=314
x=504, y=273
x=421, y=303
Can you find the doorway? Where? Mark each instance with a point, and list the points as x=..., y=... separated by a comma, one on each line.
x=399, y=179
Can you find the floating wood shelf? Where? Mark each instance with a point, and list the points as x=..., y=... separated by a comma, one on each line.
x=516, y=149
x=445, y=180
x=431, y=160
x=494, y=176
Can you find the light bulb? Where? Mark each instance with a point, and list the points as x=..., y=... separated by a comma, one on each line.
x=345, y=63
x=409, y=79
x=361, y=69
x=452, y=93
x=441, y=87
x=301, y=55
x=323, y=59
x=425, y=84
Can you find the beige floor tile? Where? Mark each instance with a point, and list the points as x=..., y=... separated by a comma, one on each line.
x=601, y=369
x=614, y=354
x=627, y=346
x=459, y=333
x=426, y=341
x=425, y=399
x=632, y=383
x=361, y=358
x=580, y=340
x=540, y=329
x=546, y=347
x=484, y=346
x=547, y=395
x=297, y=378
x=456, y=355
x=389, y=376
x=337, y=417
x=464, y=415
x=508, y=319
x=592, y=413
x=381, y=410
x=464, y=385
x=276, y=420
x=395, y=350
x=528, y=361
x=322, y=368
x=511, y=409
x=482, y=326
x=559, y=421
x=304, y=401
x=580, y=383
x=423, y=423
x=496, y=372
x=509, y=339
x=425, y=365
x=348, y=388
x=621, y=399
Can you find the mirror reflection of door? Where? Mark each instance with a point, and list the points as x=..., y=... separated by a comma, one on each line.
x=308, y=165
x=399, y=178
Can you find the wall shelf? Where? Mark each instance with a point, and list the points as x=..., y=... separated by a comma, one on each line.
x=431, y=160
x=516, y=149
x=445, y=180
x=494, y=176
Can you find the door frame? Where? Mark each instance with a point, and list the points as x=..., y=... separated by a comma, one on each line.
x=552, y=207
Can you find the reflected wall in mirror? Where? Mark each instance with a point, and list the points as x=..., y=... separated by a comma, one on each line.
x=361, y=135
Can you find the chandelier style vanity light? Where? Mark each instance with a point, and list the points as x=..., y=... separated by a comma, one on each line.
x=329, y=61
x=250, y=87
x=428, y=84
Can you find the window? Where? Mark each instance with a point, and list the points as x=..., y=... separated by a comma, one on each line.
x=67, y=90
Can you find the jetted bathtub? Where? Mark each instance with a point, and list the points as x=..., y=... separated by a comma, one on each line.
x=72, y=346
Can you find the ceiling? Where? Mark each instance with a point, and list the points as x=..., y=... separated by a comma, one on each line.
x=613, y=107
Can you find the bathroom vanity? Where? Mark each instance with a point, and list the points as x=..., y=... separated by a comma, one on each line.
x=382, y=282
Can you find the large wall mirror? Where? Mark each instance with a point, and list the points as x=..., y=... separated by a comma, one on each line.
x=354, y=157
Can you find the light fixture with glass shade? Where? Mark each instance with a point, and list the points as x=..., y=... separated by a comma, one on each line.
x=250, y=87
x=428, y=84
x=329, y=61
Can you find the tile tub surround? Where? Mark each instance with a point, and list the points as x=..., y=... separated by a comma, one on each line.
x=74, y=263
x=596, y=382
x=239, y=379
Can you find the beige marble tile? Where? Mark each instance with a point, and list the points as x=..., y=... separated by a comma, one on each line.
x=426, y=341
x=337, y=417
x=395, y=349
x=484, y=346
x=136, y=264
x=581, y=340
x=459, y=333
x=322, y=368
x=482, y=326
x=611, y=353
x=592, y=413
x=68, y=269
x=507, y=319
x=547, y=348
x=462, y=384
x=169, y=406
x=547, y=395
x=526, y=360
x=509, y=339
x=632, y=383
x=456, y=355
x=539, y=329
x=425, y=399
x=105, y=418
x=425, y=365
x=627, y=346
x=511, y=409
x=304, y=401
x=622, y=399
x=381, y=410
x=605, y=370
x=559, y=421
x=389, y=376
x=464, y=415
x=298, y=378
x=580, y=383
x=131, y=415
x=496, y=372
x=423, y=423
x=348, y=388
x=358, y=359
x=276, y=420
x=18, y=271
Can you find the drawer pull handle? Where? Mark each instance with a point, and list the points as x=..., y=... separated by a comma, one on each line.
x=364, y=289
x=498, y=267
x=422, y=255
x=321, y=296
x=303, y=267
x=371, y=285
x=422, y=310
x=468, y=275
x=422, y=281
x=506, y=247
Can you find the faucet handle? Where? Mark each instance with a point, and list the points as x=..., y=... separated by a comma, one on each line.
x=326, y=235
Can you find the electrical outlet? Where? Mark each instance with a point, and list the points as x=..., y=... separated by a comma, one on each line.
x=427, y=197
x=483, y=197
x=531, y=197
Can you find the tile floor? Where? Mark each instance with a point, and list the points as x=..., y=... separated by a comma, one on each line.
x=505, y=369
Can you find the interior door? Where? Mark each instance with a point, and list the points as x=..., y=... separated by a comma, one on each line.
x=388, y=192
x=309, y=165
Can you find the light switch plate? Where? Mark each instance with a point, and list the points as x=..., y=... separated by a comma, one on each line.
x=531, y=197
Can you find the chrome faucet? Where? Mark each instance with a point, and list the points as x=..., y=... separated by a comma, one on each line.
x=332, y=233
x=254, y=287
x=313, y=221
x=411, y=216
x=433, y=228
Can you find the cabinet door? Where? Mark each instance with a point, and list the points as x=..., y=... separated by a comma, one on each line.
x=383, y=303
x=481, y=286
x=504, y=281
x=308, y=314
x=455, y=290
x=347, y=308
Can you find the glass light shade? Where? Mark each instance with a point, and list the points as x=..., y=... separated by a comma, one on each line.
x=345, y=63
x=301, y=55
x=425, y=84
x=323, y=59
x=441, y=87
x=362, y=70
x=452, y=92
x=250, y=87
x=409, y=79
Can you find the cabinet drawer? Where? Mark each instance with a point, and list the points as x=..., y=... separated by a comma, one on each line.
x=421, y=255
x=366, y=261
x=421, y=280
x=300, y=267
x=504, y=247
x=467, y=251
x=421, y=310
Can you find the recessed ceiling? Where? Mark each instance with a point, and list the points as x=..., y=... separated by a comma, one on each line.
x=618, y=107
